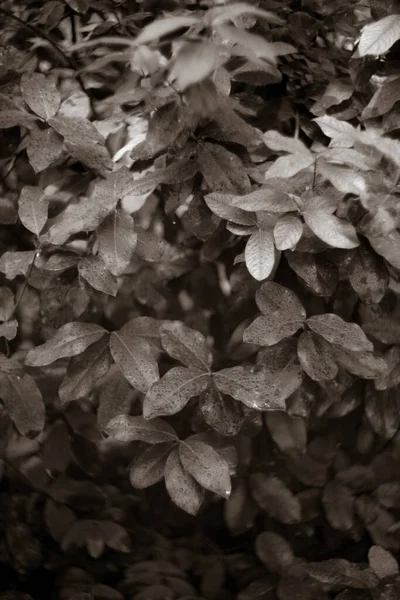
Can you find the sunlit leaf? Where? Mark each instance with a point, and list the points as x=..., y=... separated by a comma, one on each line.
x=259, y=254
x=376, y=38
x=32, y=208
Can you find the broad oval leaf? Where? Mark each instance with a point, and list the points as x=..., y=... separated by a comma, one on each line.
x=222, y=414
x=290, y=165
x=289, y=433
x=126, y=428
x=221, y=205
x=259, y=254
x=206, y=466
x=115, y=398
x=338, y=503
x=194, y=62
x=16, y=263
x=186, y=345
x=161, y=27
x=32, y=208
x=135, y=358
x=23, y=402
x=316, y=357
x=183, y=489
x=340, y=572
x=117, y=241
x=95, y=272
x=287, y=232
x=265, y=198
x=382, y=562
x=70, y=340
x=332, y=230
x=382, y=409
x=274, y=497
x=274, y=551
x=282, y=143
x=148, y=468
x=337, y=331
x=335, y=128
x=368, y=275
x=376, y=38
x=267, y=331
x=275, y=299
x=173, y=391
x=222, y=170
x=40, y=94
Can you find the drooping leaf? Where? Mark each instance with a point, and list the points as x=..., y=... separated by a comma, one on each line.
x=376, y=38
x=337, y=331
x=148, y=467
x=117, y=241
x=173, y=391
x=85, y=370
x=32, y=208
x=40, y=94
x=274, y=551
x=316, y=357
x=345, y=180
x=383, y=100
x=194, y=62
x=165, y=26
x=126, y=428
x=275, y=498
x=95, y=272
x=259, y=254
x=16, y=263
x=221, y=413
x=186, y=345
x=135, y=358
x=45, y=146
x=287, y=232
x=222, y=170
x=70, y=340
x=183, y=489
x=23, y=402
x=206, y=466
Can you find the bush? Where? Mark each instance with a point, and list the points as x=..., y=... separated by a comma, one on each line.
x=200, y=300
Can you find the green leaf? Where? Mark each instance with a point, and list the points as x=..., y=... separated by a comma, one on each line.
x=259, y=254
x=85, y=370
x=40, y=94
x=183, y=489
x=222, y=170
x=221, y=413
x=148, y=468
x=287, y=232
x=337, y=331
x=70, y=340
x=23, y=402
x=166, y=26
x=134, y=357
x=45, y=146
x=274, y=552
x=32, y=208
x=316, y=357
x=186, y=345
x=126, y=428
x=275, y=498
x=376, y=38
x=194, y=63
x=332, y=230
x=95, y=272
x=117, y=241
x=206, y=466
x=222, y=206
x=13, y=264
x=173, y=391
x=288, y=166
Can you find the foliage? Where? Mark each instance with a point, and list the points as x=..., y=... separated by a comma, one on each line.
x=200, y=299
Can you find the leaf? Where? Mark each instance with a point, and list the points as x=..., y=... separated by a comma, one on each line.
x=183, y=489
x=259, y=254
x=287, y=232
x=115, y=398
x=9, y=330
x=126, y=428
x=231, y=12
x=317, y=272
x=70, y=340
x=240, y=510
x=247, y=43
x=382, y=562
x=117, y=241
x=87, y=214
x=148, y=468
x=23, y=402
x=134, y=357
x=376, y=38
x=316, y=357
x=194, y=62
x=282, y=143
x=222, y=170
x=335, y=128
x=95, y=272
x=288, y=166
x=7, y=303
x=337, y=331
x=186, y=345
x=40, y=94
x=58, y=518
x=391, y=376
x=265, y=198
x=13, y=264
x=382, y=411
x=383, y=100
x=368, y=275
x=85, y=370
x=347, y=181
x=206, y=466
x=275, y=498
x=220, y=413
x=338, y=503
x=332, y=230
x=221, y=205
x=44, y=148
x=288, y=432
x=274, y=551
x=336, y=572
x=33, y=206
x=173, y=391
x=362, y=364
x=12, y=118
x=387, y=246
x=161, y=27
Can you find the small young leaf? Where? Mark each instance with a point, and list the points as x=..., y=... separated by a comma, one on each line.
x=332, y=230
x=23, y=402
x=117, y=241
x=206, y=466
x=148, y=468
x=316, y=357
x=126, y=428
x=337, y=331
x=259, y=254
x=376, y=38
x=95, y=272
x=173, y=391
x=222, y=170
x=85, y=370
x=40, y=94
x=70, y=340
x=45, y=146
x=16, y=263
x=134, y=357
x=274, y=551
x=183, y=489
x=32, y=211
x=186, y=345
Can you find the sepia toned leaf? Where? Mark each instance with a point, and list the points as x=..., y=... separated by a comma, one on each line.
x=95, y=272
x=221, y=413
x=115, y=398
x=376, y=38
x=240, y=510
x=337, y=331
x=222, y=206
x=289, y=166
x=117, y=241
x=338, y=503
x=287, y=232
x=316, y=357
x=194, y=62
x=340, y=572
x=274, y=551
x=222, y=170
x=206, y=466
x=40, y=94
x=165, y=26
x=13, y=264
x=186, y=345
x=289, y=433
x=183, y=489
x=332, y=230
x=32, y=208
x=126, y=428
x=382, y=411
x=259, y=254
x=44, y=148
x=275, y=498
x=148, y=467
x=382, y=562
x=23, y=402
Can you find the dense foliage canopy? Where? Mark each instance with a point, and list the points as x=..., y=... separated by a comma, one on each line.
x=200, y=299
